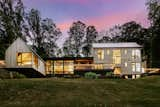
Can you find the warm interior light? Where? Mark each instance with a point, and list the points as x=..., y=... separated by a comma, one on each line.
x=24, y=58
x=116, y=56
x=126, y=64
x=117, y=71
x=100, y=54
x=68, y=67
x=35, y=61
x=58, y=67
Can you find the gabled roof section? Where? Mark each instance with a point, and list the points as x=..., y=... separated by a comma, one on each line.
x=116, y=45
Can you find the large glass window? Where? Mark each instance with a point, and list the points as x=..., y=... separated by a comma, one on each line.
x=58, y=67
x=125, y=51
x=116, y=56
x=136, y=67
x=108, y=51
x=49, y=67
x=24, y=59
x=133, y=67
x=136, y=53
x=100, y=54
x=35, y=58
x=68, y=67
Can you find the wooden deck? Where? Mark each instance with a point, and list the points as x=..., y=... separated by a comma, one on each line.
x=151, y=71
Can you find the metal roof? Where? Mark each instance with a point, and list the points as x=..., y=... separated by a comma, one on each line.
x=116, y=45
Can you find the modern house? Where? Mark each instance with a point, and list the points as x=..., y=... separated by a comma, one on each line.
x=124, y=57
x=120, y=58
x=22, y=58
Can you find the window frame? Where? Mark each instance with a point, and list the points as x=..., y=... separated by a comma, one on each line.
x=117, y=57
x=19, y=63
x=100, y=54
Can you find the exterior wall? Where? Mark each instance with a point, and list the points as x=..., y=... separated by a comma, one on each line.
x=41, y=67
x=11, y=56
x=11, y=53
x=125, y=58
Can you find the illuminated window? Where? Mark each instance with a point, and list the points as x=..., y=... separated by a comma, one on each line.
x=68, y=67
x=133, y=67
x=117, y=71
x=100, y=54
x=58, y=67
x=116, y=56
x=35, y=61
x=125, y=51
x=136, y=67
x=136, y=54
x=99, y=66
x=24, y=59
x=125, y=64
x=108, y=51
x=49, y=67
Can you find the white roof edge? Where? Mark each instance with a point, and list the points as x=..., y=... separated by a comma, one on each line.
x=117, y=45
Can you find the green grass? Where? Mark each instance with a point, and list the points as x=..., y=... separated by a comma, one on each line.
x=60, y=92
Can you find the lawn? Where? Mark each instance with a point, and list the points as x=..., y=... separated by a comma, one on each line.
x=61, y=92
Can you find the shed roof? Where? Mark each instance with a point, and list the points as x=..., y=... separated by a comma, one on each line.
x=116, y=45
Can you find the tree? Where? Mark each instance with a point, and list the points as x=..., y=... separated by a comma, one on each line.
x=77, y=33
x=114, y=34
x=68, y=46
x=44, y=34
x=51, y=34
x=153, y=7
x=91, y=35
x=104, y=39
x=134, y=32
x=131, y=32
x=11, y=22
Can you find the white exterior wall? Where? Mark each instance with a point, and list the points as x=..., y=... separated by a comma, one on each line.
x=108, y=59
x=11, y=53
x=11, y=56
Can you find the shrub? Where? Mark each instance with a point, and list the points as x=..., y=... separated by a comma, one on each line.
x=109, y=74
x=18, y=75
x=91, y=75
x=4, y=74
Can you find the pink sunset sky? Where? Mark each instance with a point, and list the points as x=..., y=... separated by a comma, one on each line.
x=103, y=14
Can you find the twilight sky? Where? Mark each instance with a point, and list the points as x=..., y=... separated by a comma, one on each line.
x=103, y=14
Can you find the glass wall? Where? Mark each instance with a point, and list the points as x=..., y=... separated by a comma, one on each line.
x=49, y=67
x=35, y=60
x=68, y=67
x=136, y=54
x=24, y=59
x=136, y=67
x=58, y=67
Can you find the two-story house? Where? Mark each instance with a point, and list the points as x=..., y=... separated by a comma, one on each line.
x=124, y=57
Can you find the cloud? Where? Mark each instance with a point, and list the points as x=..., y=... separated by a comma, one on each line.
x=108, y=21
x=64, y=26
x=71, y=1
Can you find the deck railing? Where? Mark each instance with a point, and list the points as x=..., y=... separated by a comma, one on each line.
x=93, y=66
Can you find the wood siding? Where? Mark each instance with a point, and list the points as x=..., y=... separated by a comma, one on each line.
x=125, y=58
x=20, y=46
